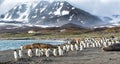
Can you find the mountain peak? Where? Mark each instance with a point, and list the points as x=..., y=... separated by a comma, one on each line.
x=54, y=14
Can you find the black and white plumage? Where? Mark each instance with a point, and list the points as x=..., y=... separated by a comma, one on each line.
x=55, y=52
x=67, y=47
x=21, y=47
x=38, y=52
x=68, y=42
x=113, y=42
x=109, y=43
x=93, y=45
x=76, y=47
x=60, y=51
x=81, y=47
x=72, y=47
x=15, y=55
x=117, y=41
x=30, y=54
x=84, y=44
x=99, y=44
x=88, y=45
x=96, y=44
x=47, y=52
x=64, y=48
x=20, y=53
x=104, y=44
x=42, y=52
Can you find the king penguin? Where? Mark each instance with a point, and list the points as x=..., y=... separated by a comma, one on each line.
x=15, y=55
x=30, y=54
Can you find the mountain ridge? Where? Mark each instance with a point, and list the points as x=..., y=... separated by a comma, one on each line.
x=53, y=14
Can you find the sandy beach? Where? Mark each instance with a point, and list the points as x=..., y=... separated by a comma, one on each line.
x=87, y=56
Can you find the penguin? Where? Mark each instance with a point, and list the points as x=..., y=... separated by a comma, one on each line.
x=20, y=53
x=21, y=47
x=88, y=45
x=96, y=44
x=99, y=44
x=42, y=52
x=30, y=54
x=81, y=47
x=64, y=48
x=67, y=47
x=68, y=42
x=117, y=41
x=83, y=43
x=113, y=42
x=109, y=43
x=55, y=52
x=38, y=52
x=104, y=44
x=47, y=52
x=15, y=55
x=76, y=47
x=72, y=47
x=77, y=41
x=93, y=44
x=60, y=51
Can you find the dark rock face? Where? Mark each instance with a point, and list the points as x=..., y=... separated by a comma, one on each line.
x=114, y=47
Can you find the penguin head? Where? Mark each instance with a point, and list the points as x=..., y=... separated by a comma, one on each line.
x=21, y=47
x=55, y=49
x=15, y=50
x=68, y=42
x=48, y=49
x=30, y=49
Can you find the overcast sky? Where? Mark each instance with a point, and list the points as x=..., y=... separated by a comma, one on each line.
x=99, y=7
x=96, y=7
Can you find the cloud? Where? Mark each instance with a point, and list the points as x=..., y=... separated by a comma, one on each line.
x=99, y=7
x=96, y=7
x=1, y=1
x=105, y=1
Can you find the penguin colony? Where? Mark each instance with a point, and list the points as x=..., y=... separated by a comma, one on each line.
x=48, y=50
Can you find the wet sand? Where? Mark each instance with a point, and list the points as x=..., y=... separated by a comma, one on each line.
x=87, y=56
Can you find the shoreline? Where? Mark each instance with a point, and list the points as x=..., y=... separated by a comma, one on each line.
x=24, y=38
x=17, y=43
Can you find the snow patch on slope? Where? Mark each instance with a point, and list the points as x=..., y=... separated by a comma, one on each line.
x=58, y=11
x=65, y=12
x=71, y=17
x=23, y=16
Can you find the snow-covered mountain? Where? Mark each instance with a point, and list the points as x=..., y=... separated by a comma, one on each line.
x=49, y=14
x=110, y=21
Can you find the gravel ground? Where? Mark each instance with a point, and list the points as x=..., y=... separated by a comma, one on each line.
x=87, y=56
